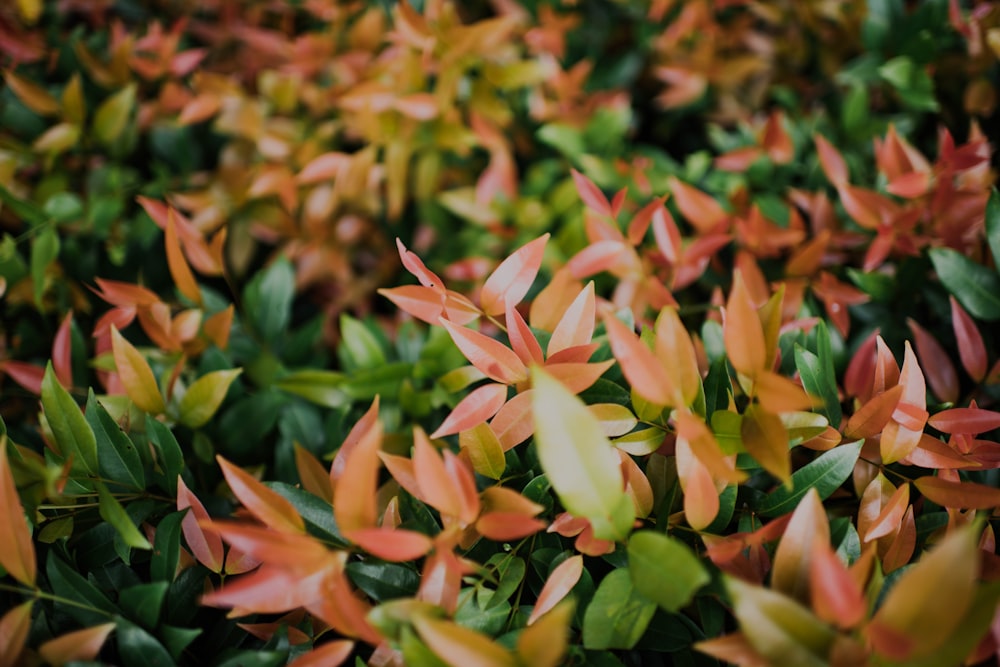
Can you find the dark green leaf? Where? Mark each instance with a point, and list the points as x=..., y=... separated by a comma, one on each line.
x=254, y=659
x=717, y=387
x=384, y=581
x=366, y=384
x=72, y=432
x=826, y=473
x=489, y=620
x=819, y=381
x=142, y=603
x=511, y=573
x=168, y=453
x=666, y=633
x=177, y=639
x=974, y=285
x=993, y=225
x=166, y=547
x=92, y=606
x=138, y=647
x=25, y=210
x=268, y=299
x=664, y=569
x=617, y=615
x=317, y=513
x=117, y=456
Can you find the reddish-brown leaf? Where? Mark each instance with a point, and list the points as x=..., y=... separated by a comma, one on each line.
x=703, y=444
x=62, y=352
x=972, y=421
x=314, y=476
x=676, y=354
x=81, y=645
x=459, y=646
x=971, y=348
x=887, y=522
x=958, y=495
x=264, y=504
x=396, y=545
x=481, y=404
x=179, y=270
x=576, y=327
x=513, y=423
x=414, y=265
x=833, y=163
x=701, y=499
x=17, y=551
x=496, y=360
x=941, y=374
x=357, y=433
x=873, y=415
x=522, y=340
x=354, y=492
x=271, y=589
x=438, y=488
x=424, y=303
x=27, y=375
x=836, y=597
x=508, y=526
x=510, y=281
x=330, y=654
x=206, y=546
x=560, y=582
x=14, y=626
x=136, y=375
x=599, y=256
x=733, y=648
x=578, y=376
x=296, y=552
x=808, y=526
x=640, y=365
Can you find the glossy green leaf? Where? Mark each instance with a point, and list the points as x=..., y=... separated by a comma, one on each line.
x=44, y=251
x=511, y=571
x=176, y=640
x=578, y=459
x=138, y=647
x=142, y=603
x=93, y=607
x=27, y=211
x=268, y=299
x=204, y=397
x=993, y=225
x=617, y=615
x=316, y=386
x=72, y=432
x=825, y=473
x=112, y=511
x=117, y=456
x=166, y=547
x=168, y=453
x=384, y=581
x=664, y=569
x=315, y=511
x=976, y=287
x=819, y=381
x=359, y=348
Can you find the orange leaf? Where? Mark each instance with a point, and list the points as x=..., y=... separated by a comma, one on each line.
x=271, y=590
x=971, y=421
x=313, y=475
x=354, y=493
x=522, y=340
x=899, y=552
x=460, y=647
x=733, y=648
x=441, y=580
x=676, y=353
x=513, y=423
x=27, y=375
x=941, y=373
x=264, y=504
x=704, y=445
x=544, y=643
x=218, y=326
x=560, y=582
x=639, y=364
x=597, y=257
x=864, y=206
x=577, y=324
x=743, y=332
x=766, y=440
x=358, y=432
x=179, y=269
x=933, y=454
x=82, y=645
x=394, y=545
x=206, y=547
x=136, y=375
x=971, y=348
x=443, y=486
x=414, y=265
x=481, y=404
x=323, y=167
x=779, y=394
x=496, y=360
x=776, y=140
x=342, y=610
x=510, y=281
x=295, y=552
x=958, y=495
x=892, y=513
x=578, y=376
x=667, y=235
x=874, y=498
x=17, y=551
x=591, y=195
x=14, y=628
x=508, y=526
x=698, y=208
x=701, y=500
x=873, y=415
x=330, y=654
x=424, y=303
x=836, y=596
x=793, y=559
x=62, y=353
x=832, y=161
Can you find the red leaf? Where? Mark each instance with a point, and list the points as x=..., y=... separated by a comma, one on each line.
x=513, y=423
x=972, y=421
x=560, y=582
x=941, y=375
x=836, y=596
x=27, y=375
x=832, y=161
x=17, y=551
x=264, y=504
x=271, y=590
x=481, y=404
x=640, y=365
x=577, y=324
x=62, y=352
x=591, y=195
x=971, y=348
x=873, y=415
x=508, y=526
x=522, y=339
x=510, y=281
x=330, y=654
x=958, y=495
x=295, y=552
x=206, y=547
x=414, y=265
x=496, y=361
x=668, y=237
x=698, y=208
x=393, y=545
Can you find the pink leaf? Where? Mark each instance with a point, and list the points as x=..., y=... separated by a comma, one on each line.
x=510, y=281
x=494, y=359
x=481, y=404
x=591, y=195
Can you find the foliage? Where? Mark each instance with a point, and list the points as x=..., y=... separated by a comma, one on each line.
x=499, y=333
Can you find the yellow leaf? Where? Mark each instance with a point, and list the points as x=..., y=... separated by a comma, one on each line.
x=205, y=396
x=176, y=262
x=32, y=95
x=485, y=450
x=743, y=332
x=74, y=108
x=136, y=375
x=543, y=644
x=766, y=440
x=461, y=647
x=113, y=115
x=58, y=138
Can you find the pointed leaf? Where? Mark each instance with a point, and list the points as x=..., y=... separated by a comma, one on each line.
x=591, y=195
x=81, y=645
x=17, y=551
x=264, y=504
x=832, y=161
x=873, y=415
x=766, y=440
x=73, y=434
x=513, y=423
x=819, y=380
x=496, y=360
x=204, y=397
x=314, y=476
x=459, y=646
x=112, y=511
x=522, y=340
x=330, y=654
x=62, y=352
x=826, y=473
x=578, y=459
x=511, y=280
x=136, y=375
x=617, y=615
x=14, y=626
x=790, y=573
x=743, y=332
x=664, y=569
x=484, y=449
x=544, y=643
x=972, y=421
x=397, y=546
x=357, y=477
x=206, y=546
x=180, y=271
x=941, y=374
x=561, y=581
x=975, y=286
x=891, y=515
x=577, y=324
x=481, y=404
x=971, y=349
x=117, y=455
x=698, y=208
x=639, y=364
x=958, y=495
x=677, y=355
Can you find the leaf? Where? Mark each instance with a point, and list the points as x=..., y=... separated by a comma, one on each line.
x=446, y=485
x=136, y=375
x=664, y=569
x=825, y=473
x=676, y=354
x=62, y=351
x=819, y=380
x=972, y=421
x=32, y=95
x=112, y=511
x=576, y=326
x=113, y=115
x=743, y=332
x=206, y=546
x=317, y=386
x=511, y=280
x=14, y=626
x=73, y=434
x=330, y=654
x=766, y=440
x=833, y=163
x=66, y=582
x=873, y=415
x=497, y=361
x=81, y=645
x=268, y=297
x=17, y=551
x=971, y=349
x=203, y=398
x=384, y=581
x=976, y=287
x=138, y=647
x=544, y=644
x=44, y=251
x=117, y=456
x=793, y=557
x=912, y=621
x=461, y=647
x=167, y=547
x=481, y=404
x=639, y=364
x=181, y=273
x=941, y=374
x=312, y=474
x=561, y=581
x=357, y=475
x=837, y=597
x=591, y=195
x=358, y=346
x=395, y=545
x=168, y=453
x=698, y=208
x=484, y=449
x=264, y=504
x=958, y=495
x=578, y=459
x=617, y=615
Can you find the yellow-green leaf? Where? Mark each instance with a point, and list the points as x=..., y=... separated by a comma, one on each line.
x=113, y=115
x=112, y=511
x=485, y=450
x=578, y=459
x=460, y=647
x=205, y=396
x=136, y=375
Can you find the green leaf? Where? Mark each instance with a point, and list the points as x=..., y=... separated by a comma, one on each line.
x=819, y=381
x=168, y=453
x=315, y=511
x=578, y=459
x=718, y=386
x=117, y=456
x=268, y=299
x=92, y=608
x=176, y=640
x=664, y=569
x=25, y=210
x=204, y=397
x=138, y=647
x=317, y=386
x=386, y=380
x=976, y=287
x=254, y=659
x=142, y=603
x=72, y=432
x=564, y=138
x=64, y=207
x=112, y=511
x=166, y=547
x=826, y=473
x=113, y=115
x=44, y=251
x=993, y=225
x=511, y=572
x=617, y=615
x=359, y=348
x=384, y=581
